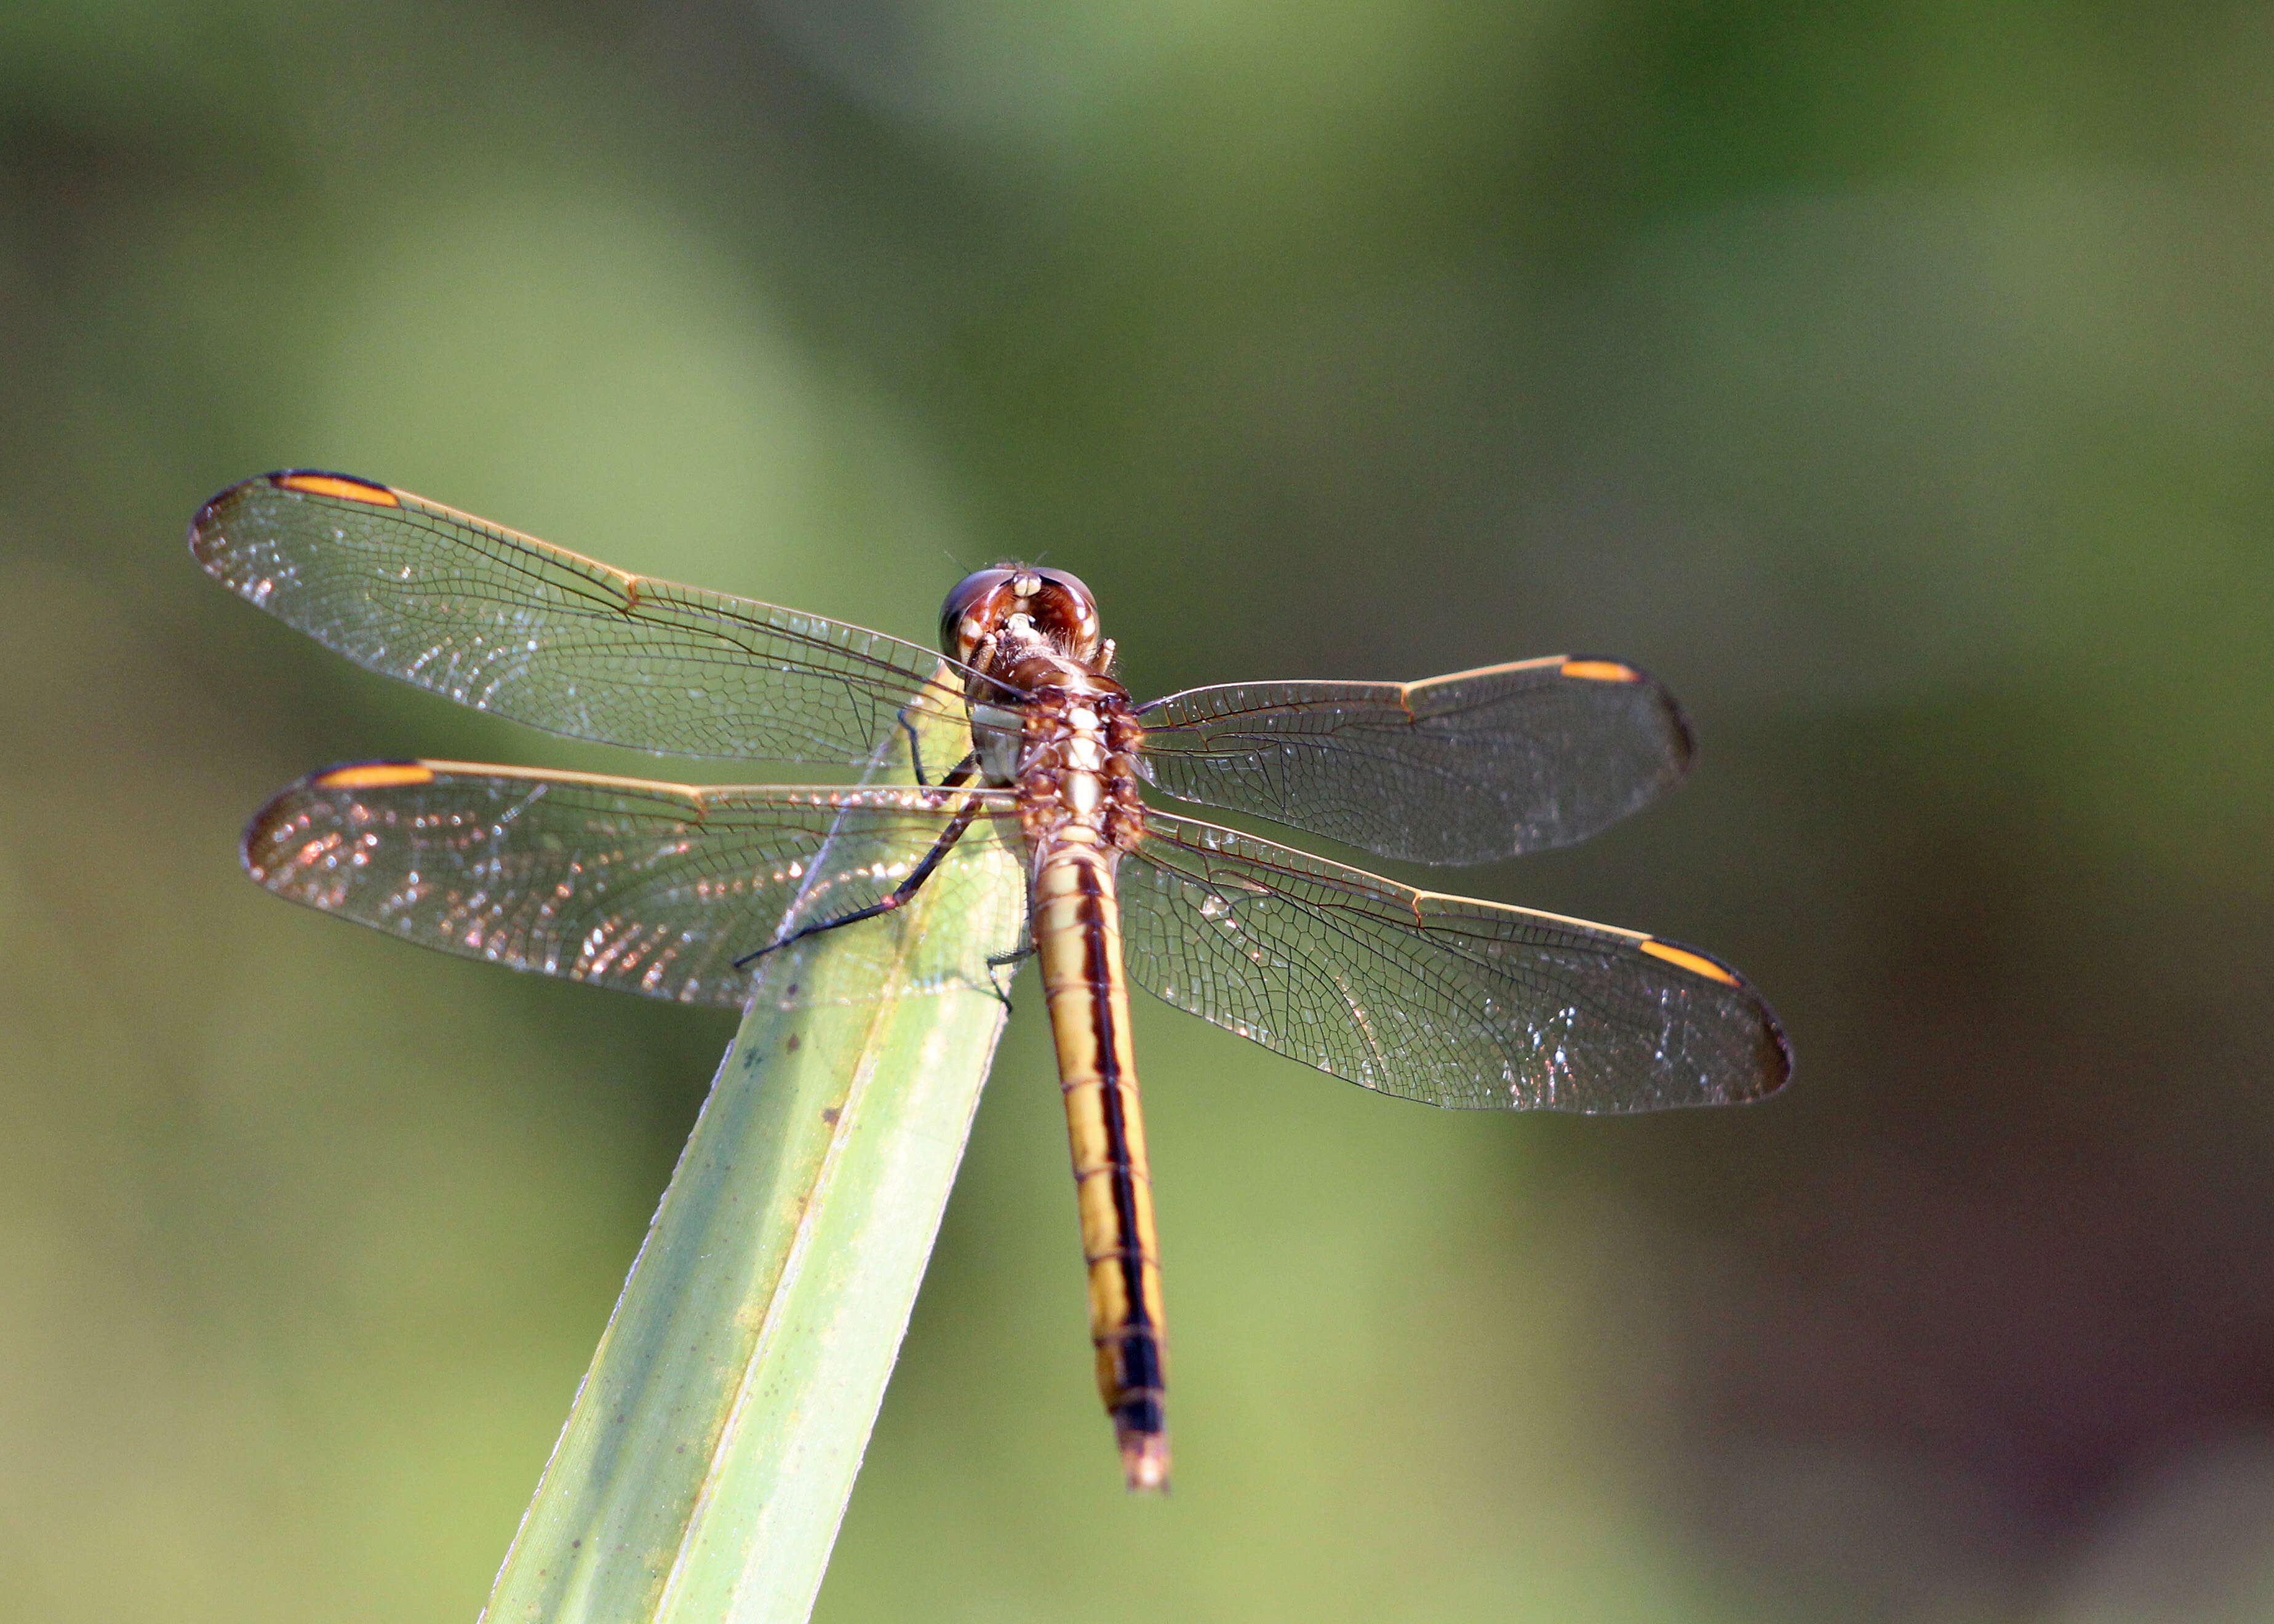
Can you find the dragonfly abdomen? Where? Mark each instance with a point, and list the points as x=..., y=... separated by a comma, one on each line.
x=1077, y=937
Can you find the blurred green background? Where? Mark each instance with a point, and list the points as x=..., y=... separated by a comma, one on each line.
x=1896, y=379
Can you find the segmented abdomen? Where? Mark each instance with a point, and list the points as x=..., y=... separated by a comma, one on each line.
x=1077, y=931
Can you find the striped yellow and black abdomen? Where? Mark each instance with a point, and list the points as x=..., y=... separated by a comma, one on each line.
x=1078, y=938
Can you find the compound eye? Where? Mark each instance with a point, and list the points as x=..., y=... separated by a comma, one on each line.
x=1084, y=598
x=1069, y=611
x=965, y=617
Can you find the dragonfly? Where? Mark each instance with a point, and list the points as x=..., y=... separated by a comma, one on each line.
x=680, y=891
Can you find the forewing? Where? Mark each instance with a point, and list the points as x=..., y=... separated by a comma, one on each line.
x=649, y=888
x=1442, y=999
x=1468, y=768
x=510, y=624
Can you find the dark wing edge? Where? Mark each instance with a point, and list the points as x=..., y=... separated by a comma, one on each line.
x=644, y=887
x=1471, y=766
x=1452, y=1001
x=507, y=623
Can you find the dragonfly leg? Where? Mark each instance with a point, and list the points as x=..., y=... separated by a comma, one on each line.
x=900, y=893
x=915, y=757
x=1016, y=957
x=915, y=747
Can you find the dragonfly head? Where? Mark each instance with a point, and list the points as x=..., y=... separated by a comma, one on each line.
x=1056, y=605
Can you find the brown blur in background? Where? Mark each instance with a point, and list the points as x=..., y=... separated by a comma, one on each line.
x=1896, y=379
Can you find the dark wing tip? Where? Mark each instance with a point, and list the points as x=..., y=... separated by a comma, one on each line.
x=280, y=809
x=1772, y=1052
x=1683, y=742
x=301, y=481
x=260, y=830
x=1775, y=1053
x=1784, y=1050
x=206, y=525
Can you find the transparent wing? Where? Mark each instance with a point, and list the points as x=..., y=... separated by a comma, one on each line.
x=1437, y=998
x=510, y=624
x=649, y=888
x=1479, y=765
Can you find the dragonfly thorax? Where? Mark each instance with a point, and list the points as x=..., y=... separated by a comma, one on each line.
x=998, y=734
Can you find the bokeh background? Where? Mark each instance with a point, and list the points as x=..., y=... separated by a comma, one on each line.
x=1896, y=379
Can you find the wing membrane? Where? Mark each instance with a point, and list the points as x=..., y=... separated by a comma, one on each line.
x=649, y=888
x=1442, y=999
x=1468, y=768
x=510, y=624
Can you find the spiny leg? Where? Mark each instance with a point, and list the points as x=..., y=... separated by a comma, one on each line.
x=900, y=893
x=915, y=747
x=1016, y=957
x=916, y=756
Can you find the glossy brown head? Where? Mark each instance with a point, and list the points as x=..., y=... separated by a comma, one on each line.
x=1056, y=605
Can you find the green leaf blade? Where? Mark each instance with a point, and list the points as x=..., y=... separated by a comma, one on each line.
x=710, y=1453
